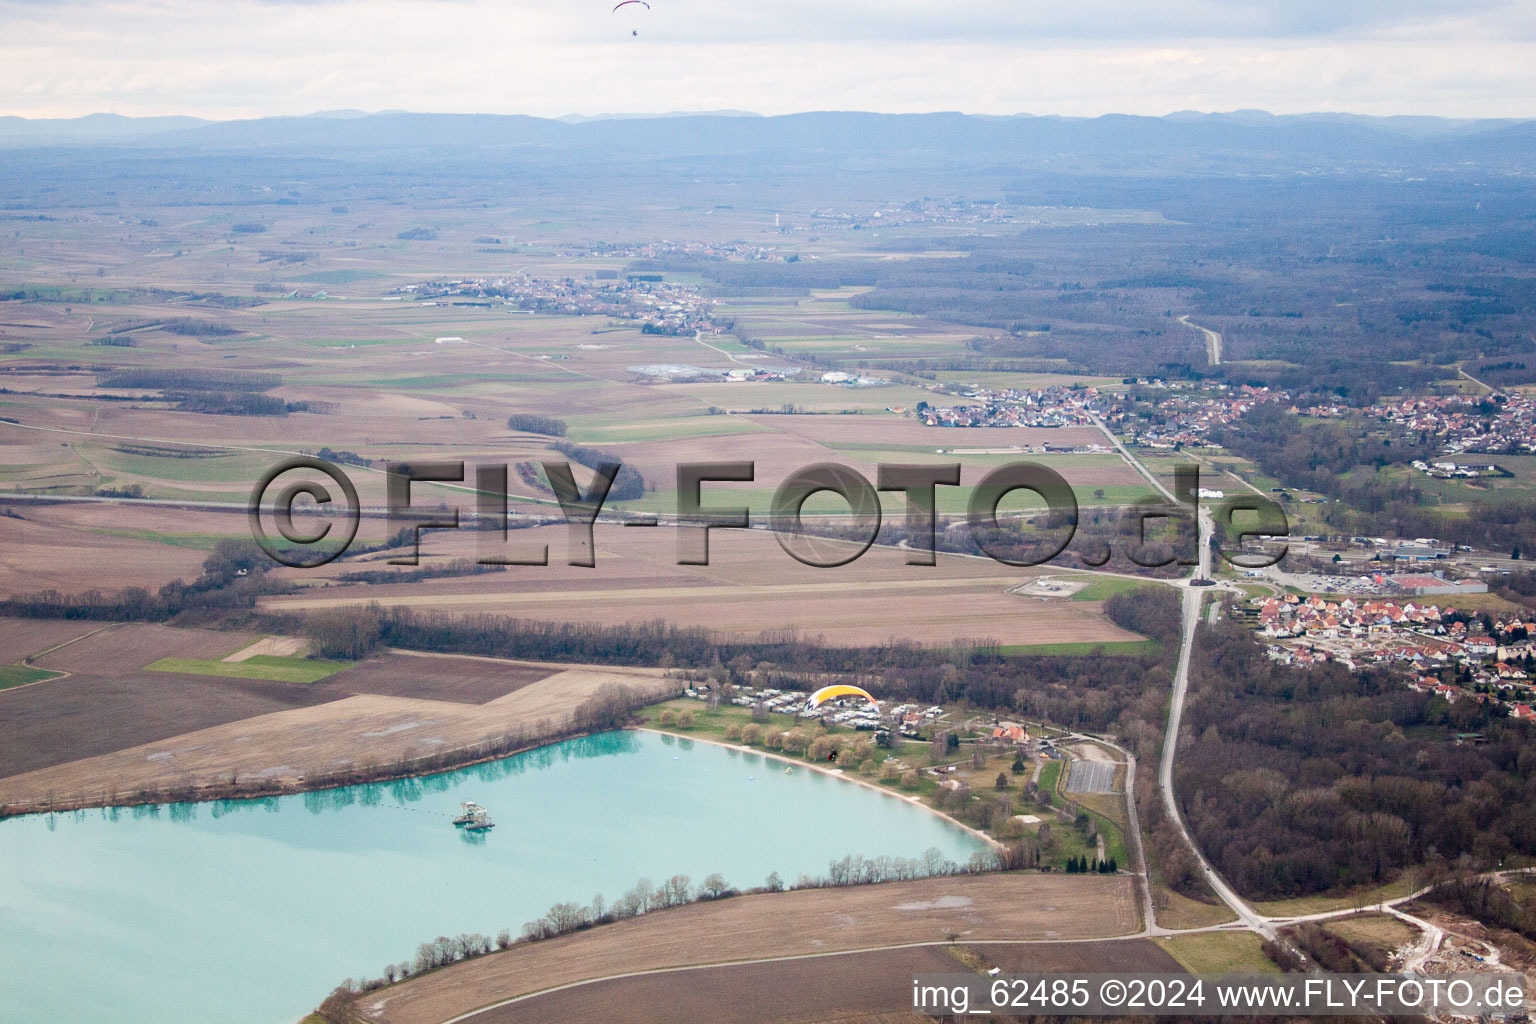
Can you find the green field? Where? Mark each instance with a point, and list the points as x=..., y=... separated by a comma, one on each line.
x=1105, y=587
x=261, y=666
x=189, y=466
x=195, y=541
x=1219, y=953
x=21, y=675
x=338, y=276
x=1049, y=773
x=582, y=431
x=807, y=396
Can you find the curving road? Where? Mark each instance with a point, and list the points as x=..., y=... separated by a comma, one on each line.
x=1192, y=600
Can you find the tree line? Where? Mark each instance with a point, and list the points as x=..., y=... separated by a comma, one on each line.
x=530, y=423
x=644, y=897
x=1083, y=691
x=628, y=484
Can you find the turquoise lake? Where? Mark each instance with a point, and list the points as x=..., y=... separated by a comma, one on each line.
x=249, y=912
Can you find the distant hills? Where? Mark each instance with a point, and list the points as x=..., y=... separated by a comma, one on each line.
x=925, y=138
x=21, y=131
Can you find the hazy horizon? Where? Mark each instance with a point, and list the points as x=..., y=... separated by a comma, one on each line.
x=576, y=117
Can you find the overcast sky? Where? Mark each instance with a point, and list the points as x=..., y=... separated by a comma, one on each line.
x=243, y=58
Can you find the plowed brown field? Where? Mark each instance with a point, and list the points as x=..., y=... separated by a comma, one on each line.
x=973, y=908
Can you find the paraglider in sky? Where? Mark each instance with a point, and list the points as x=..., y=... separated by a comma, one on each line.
x=827, y=693
x=626, y=3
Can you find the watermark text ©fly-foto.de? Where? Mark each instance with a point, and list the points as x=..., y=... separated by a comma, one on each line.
x=282, y=491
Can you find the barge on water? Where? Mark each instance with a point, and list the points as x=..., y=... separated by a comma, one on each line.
x=473, y=818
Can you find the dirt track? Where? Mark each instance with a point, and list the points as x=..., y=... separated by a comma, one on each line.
x=997, y=906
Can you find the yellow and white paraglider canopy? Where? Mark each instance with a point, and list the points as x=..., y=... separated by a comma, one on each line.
x=827, y=693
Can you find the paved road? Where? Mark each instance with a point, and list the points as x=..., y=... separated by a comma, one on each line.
x=1125, y=454
x=1212, y=341
x=698, y=336
x=1192, y=598
x=1474, y=380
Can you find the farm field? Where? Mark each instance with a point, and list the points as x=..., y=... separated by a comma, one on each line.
x=381, y=388
x=261, y=666
x=22, y=638
x=853, y=988
x=109, y=725
x=134, y=645
x=925, y=612
x=751, y=586
x=856, y=988
x=41, y=555
x=84, y=715
x=304, y=729
x=824, y=324
x=1052, y=908
x=444, y=677
x=20, y=675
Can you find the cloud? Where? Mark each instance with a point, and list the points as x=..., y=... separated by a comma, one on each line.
x=977, y=20
x=256, y=57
